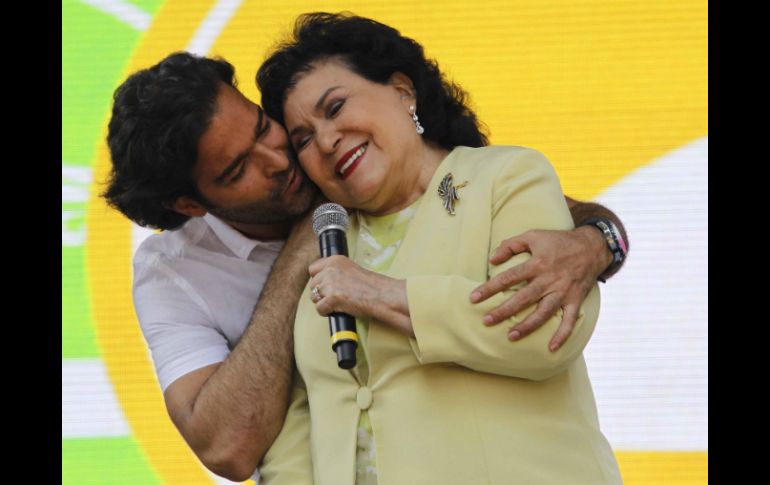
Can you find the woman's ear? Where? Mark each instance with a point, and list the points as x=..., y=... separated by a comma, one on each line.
x=405, y=87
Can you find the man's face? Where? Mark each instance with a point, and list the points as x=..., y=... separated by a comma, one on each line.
x=244, y=169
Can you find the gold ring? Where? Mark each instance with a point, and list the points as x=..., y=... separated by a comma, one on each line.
x=315, y=294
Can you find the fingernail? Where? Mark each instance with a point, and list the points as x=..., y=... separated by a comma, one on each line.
x=514, y=335
x=487, y=318
x=553, y=347
x=475, y=296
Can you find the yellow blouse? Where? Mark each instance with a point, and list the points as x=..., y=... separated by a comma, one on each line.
x=378, y=241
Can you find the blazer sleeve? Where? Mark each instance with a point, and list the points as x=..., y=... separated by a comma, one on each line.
x=449, y=329
x=288, y=461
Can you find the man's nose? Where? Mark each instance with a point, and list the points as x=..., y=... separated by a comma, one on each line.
x=274, y=161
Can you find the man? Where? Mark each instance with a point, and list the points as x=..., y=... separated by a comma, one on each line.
x=191, y=155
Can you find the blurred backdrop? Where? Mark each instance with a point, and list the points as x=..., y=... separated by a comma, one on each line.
x=614, y=92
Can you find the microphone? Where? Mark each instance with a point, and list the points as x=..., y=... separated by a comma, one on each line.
x=330, y=221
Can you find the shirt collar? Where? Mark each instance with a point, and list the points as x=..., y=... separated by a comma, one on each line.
x=236, y=242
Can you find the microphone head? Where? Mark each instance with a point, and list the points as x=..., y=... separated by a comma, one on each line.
x=330, y=216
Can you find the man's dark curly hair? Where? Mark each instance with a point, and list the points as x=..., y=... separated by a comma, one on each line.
x=373, y=51
x=158, y=116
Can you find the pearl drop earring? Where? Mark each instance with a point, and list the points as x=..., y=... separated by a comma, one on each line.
x=418, y=127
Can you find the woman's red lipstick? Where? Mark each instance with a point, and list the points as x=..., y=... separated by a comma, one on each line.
x=348, y=162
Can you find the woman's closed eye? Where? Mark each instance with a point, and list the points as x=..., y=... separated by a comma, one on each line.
x=334, y=108
x=301, y=142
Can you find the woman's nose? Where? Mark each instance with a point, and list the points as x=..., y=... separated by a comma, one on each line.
x=328, y=140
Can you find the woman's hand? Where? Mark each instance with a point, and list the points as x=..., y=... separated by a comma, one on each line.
x=563, y=269
x=344, y=286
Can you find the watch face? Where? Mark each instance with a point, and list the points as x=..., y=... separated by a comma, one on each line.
x=617, y=237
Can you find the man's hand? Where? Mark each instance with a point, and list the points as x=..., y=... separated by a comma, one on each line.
x=563, y=268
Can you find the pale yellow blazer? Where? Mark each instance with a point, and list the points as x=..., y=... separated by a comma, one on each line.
x=460, y=403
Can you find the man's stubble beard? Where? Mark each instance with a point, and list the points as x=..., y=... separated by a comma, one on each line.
x=274, y=209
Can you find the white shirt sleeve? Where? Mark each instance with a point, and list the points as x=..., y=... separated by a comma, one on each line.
x=178, y=326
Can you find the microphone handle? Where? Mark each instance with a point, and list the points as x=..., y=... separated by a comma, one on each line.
x=333, y=243
x=342, y=327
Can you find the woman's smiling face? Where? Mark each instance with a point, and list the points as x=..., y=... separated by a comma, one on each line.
x=354, y=137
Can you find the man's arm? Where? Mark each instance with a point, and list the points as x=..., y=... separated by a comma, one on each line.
x=563, y=268
x=229, y=413
x=582, y=212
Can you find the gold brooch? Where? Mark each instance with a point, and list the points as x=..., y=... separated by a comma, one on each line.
x=449, y=193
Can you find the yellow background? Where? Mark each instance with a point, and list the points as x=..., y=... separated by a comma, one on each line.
x=601, y=87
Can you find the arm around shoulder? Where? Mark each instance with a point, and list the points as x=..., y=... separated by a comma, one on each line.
x=448, y=328
x=230, y=411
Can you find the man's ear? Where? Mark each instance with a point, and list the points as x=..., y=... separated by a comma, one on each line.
x=405, y=87
x=188, y=207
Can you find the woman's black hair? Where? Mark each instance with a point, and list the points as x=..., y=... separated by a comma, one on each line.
x=373, y=51
x=158, y=116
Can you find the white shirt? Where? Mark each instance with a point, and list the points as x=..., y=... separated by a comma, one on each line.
x=195, y=289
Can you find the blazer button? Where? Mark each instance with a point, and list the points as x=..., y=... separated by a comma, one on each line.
x=364, y=398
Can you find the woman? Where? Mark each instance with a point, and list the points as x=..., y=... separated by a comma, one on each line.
x=436, y=396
